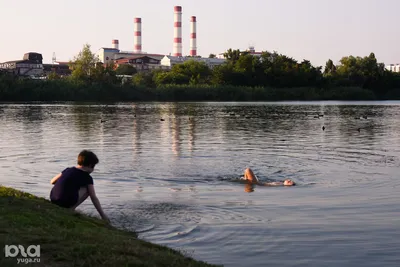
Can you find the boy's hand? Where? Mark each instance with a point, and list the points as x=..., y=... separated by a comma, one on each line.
x=106, y=219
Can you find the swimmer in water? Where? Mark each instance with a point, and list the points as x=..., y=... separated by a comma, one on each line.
x=251, y=177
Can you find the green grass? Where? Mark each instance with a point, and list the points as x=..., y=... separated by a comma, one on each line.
x=67, y=238
x=14, y=90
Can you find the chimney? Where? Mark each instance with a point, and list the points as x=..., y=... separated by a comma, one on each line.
x=137, y=39
x=177, y=31
x=193, y=36
x=115, y=44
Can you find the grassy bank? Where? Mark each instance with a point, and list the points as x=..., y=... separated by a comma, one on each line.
x=241, y=93
x=65, y=90
x=70, y=239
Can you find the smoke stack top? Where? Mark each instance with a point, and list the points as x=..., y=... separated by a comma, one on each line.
x=115, y=44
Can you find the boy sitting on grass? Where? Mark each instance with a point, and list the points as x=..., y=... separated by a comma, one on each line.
x=73, y=185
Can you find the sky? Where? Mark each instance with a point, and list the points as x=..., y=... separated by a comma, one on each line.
x=316, y=30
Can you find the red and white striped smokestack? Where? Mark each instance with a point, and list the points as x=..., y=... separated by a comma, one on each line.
x=177, y=31
x=137, y=39
x=193, y=36
x=115, y=44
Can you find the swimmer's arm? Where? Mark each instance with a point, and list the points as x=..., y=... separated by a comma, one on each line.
x=272, y=183
x=55, y=178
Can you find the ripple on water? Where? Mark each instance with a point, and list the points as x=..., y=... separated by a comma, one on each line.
x=173, y=181
x=174, y=222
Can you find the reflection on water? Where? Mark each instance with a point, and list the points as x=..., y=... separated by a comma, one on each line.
x=249, y=188
x=170, y=171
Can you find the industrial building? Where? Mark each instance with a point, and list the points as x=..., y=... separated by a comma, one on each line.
x=141, y=63
x=393, y=67
x=60, y=68
x=251, y=51
x=108, y=54
x=30, y=65
x=170, y=61
x=145, y=61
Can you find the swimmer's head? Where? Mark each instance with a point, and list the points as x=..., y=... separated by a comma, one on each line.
x=288, y=182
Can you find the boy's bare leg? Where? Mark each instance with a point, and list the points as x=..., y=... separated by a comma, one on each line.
x=83, y=195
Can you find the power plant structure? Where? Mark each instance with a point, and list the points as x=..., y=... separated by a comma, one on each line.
x=114, y=54
x=393, y=67
x=137, y=36
x=115, y=44
x=107, y=54
x=32, y=64
x=251, y=51
x=177, y=31
x=193, y=36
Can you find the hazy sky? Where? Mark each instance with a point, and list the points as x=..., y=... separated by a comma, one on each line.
x=303, y=29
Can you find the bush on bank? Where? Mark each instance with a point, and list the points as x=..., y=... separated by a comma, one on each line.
x=66, y=90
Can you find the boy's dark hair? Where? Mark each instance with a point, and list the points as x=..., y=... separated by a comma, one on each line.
x=87, y=158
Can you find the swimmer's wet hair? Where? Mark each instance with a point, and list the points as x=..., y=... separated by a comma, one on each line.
x=87, y=158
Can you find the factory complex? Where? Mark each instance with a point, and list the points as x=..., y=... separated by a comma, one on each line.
x=32, y=62
x=32, y=65
x=393, y=67
x=143, y=61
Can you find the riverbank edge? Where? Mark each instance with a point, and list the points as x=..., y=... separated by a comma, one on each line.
x=68, y=238
x=63, y=91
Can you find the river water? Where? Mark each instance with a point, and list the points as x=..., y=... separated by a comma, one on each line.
x=170, y=172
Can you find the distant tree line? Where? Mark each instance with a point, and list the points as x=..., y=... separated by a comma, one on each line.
x=275, y=70
x=272, y=76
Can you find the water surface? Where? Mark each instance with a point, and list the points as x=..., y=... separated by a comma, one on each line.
x=170, y=170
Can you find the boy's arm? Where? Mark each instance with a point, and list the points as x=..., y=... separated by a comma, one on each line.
x=55, y=178
x=96, y=202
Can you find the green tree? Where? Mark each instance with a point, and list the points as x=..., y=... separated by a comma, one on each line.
x=84, y=64
x=53, y=76
x=280, y=70
x=170, y=77
x=246, y=70
x=212, y=56
x=189, y=72
x=126, y=69
x=223, y=75
x=232, y=55
x=330, y=68
x=145, y=79
x=104, y=74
